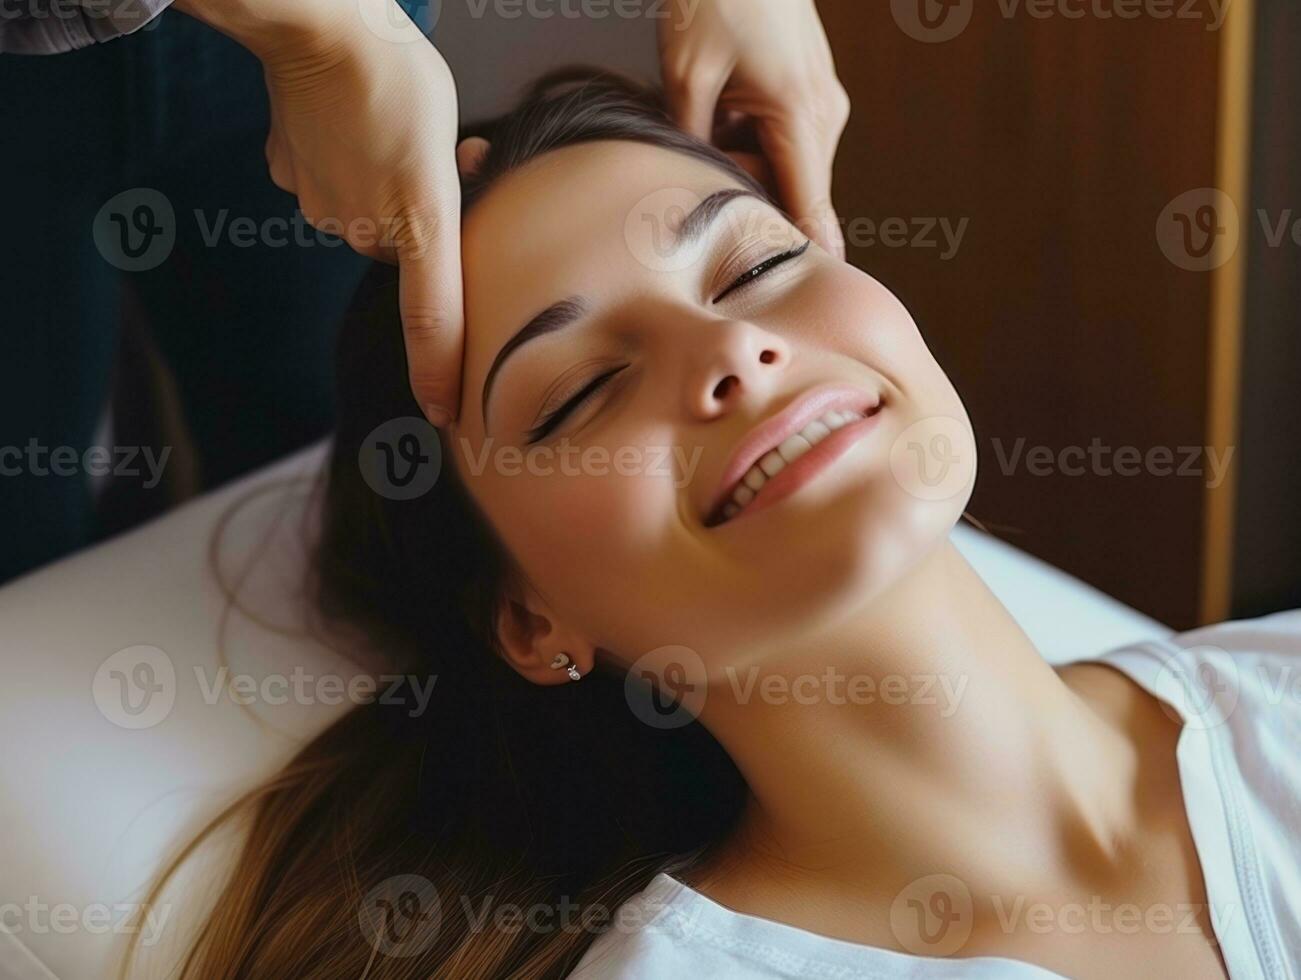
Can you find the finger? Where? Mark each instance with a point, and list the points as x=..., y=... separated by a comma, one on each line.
x=756, y=165
x=279, y=165
x=433, y=324
x=693, y=97
x=731, y=129
x=835, y=235
x=802, y=171
x=470, y=153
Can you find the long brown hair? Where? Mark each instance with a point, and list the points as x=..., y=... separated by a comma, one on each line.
x=501, y=795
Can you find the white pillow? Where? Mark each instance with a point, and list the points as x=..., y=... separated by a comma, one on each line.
x=92, y=808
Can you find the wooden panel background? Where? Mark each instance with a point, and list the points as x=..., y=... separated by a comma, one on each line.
x=1267, y=556
x=1060, y=320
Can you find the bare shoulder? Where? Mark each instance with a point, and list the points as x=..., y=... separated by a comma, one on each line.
x=1111, y=691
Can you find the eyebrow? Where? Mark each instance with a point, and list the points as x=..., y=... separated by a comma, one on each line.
x=559, y=315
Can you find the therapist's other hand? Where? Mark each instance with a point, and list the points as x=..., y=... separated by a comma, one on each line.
x=767, y=61
x=363, y=133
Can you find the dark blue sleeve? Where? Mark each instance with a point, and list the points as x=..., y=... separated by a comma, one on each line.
x=55, y=26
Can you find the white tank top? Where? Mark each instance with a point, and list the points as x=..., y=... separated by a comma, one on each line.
x=1237, y=686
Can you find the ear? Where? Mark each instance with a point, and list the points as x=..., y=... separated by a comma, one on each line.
x=532, y=636
x=469, y=155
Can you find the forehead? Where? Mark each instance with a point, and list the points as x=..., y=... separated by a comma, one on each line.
x=592, y=220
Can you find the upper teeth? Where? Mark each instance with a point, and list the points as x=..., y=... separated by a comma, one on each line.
x=788, y=452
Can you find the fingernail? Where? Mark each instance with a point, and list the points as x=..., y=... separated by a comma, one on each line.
x=437, y=415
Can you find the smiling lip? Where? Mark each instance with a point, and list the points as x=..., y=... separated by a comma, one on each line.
x=774, y=431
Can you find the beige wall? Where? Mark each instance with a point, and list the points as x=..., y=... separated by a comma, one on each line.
x=493, y=55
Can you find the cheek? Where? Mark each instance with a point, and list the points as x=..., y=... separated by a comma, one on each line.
x=593, y=524
x=905, y=487
x=847, y=311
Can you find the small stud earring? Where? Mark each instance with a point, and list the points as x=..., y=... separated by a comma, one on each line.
x=562, y=660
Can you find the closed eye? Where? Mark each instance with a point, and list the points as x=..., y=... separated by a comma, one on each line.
x=764, y=267
x=558, y=415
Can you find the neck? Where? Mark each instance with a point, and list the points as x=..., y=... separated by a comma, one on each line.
x=927, y=733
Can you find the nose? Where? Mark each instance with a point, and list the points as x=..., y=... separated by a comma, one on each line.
x=731, y=360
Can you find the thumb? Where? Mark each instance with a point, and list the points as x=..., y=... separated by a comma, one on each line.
x=803, y=177
x=692, y=98
x=433, y=321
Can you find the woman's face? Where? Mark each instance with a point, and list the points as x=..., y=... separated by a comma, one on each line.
x=704, y=347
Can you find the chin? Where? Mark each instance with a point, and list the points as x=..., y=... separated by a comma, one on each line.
x=827, y=563
x=900, y=531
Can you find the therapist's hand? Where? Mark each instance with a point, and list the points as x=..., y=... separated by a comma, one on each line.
x=363, y=133
x=767, y=62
